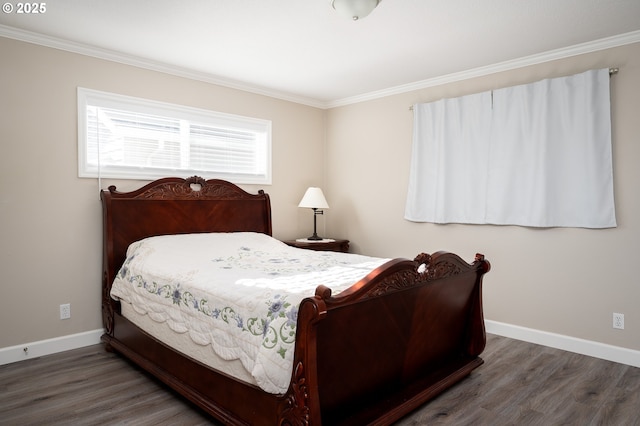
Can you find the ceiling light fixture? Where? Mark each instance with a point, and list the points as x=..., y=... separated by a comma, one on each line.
x=354, y=9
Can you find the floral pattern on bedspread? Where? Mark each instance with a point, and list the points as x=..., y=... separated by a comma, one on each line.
x=238, y=292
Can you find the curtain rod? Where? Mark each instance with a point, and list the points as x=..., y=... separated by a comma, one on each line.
x=612, y=71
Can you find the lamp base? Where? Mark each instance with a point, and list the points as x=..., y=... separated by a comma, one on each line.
x=314, y=237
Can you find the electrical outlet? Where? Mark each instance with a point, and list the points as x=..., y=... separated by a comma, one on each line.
x=618, y=321
x=65, y=311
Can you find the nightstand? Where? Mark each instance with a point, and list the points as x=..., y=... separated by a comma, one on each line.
x=321, y=245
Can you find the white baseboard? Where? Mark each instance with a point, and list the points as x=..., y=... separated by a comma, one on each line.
x=571, y=344
x=49, y=346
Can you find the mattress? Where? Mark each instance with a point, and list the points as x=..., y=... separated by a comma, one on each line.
x=182, y=343
x=235, y=295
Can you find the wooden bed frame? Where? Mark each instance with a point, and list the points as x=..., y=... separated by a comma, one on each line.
x=370, y=355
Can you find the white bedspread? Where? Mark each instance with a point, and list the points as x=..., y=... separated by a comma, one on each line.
x=237, y=292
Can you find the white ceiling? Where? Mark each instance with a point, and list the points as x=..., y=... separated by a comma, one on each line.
x=303, y=50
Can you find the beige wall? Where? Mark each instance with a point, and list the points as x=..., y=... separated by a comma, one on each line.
x=50, y=220
x=565, y=281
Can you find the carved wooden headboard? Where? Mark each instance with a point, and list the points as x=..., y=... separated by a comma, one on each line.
x=177, y=206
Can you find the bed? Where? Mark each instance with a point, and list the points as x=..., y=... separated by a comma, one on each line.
x=365, y=353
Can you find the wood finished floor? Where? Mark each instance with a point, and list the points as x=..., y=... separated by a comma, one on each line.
x=519, y=384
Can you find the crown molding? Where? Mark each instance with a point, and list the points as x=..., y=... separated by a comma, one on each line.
x=125, y=59
x=109, y=55
x=579, y=49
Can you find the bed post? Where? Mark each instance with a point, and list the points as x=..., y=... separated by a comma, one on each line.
x=302, y=402
x=108, y=304
x=478, y=336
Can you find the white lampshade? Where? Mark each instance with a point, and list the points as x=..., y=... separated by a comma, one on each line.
x=354, y=9
x=314, y=199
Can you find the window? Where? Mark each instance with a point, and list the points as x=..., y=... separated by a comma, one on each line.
x=130, y=138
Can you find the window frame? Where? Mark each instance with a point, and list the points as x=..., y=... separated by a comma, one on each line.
x=90, y=98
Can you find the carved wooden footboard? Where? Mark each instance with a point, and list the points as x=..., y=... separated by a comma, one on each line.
x=371, y=354
x=393, y=341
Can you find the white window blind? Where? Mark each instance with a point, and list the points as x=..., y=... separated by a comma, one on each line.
x=531, y=155
x=132, y=138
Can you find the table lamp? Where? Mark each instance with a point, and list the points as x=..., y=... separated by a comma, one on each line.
x=314, y=200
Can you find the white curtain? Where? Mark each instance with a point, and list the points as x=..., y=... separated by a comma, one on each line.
x=531, y=155
x=446, y=135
